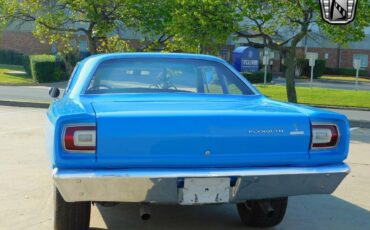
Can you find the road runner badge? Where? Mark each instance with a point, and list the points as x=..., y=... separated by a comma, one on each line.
x=338, y=11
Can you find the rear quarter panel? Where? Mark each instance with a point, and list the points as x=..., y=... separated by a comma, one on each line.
x=62, y=112
x=321, y=116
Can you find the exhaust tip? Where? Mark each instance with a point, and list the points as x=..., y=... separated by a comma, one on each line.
x=145, y=212
x=270, y=214
x=145, y=216
x=267, y=208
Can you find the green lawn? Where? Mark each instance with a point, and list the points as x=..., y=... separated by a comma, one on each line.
x=320, y=96
x=344, y=78
x=12, y=78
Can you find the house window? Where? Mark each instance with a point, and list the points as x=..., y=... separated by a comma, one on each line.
x=364, y=59
x=83, y=46
x=326, y=56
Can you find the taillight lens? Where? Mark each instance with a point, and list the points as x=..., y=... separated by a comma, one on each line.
x=80, y=138
x=324, y=135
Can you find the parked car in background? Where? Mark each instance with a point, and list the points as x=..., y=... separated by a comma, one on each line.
x=185, y=129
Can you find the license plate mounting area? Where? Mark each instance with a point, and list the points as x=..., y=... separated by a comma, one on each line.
x=205, y=191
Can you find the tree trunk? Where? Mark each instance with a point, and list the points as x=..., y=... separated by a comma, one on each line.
x=67, y=63
x=92, y=43
x=291, y=62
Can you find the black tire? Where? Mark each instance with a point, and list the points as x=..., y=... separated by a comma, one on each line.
x=70, y=215
x=252, y=214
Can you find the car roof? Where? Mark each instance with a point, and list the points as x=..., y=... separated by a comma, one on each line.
x=101, y=57
x=89, y=64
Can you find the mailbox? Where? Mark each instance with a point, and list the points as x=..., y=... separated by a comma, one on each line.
x=246, y=59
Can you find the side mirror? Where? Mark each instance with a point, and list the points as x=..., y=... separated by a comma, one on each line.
x=54, y=92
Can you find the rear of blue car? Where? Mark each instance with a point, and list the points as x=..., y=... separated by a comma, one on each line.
x=188, y=130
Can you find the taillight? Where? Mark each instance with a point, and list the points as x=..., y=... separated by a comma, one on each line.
x=324, y=135
x=80, y=138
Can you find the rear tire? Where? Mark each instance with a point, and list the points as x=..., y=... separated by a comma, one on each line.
x=70, y=215
x=252, y=214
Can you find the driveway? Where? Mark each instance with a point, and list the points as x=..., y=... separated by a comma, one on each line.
x=26, y=190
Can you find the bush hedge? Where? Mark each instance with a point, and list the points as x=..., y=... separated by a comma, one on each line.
x=27, y=64
x=318, y=70
x=346, y=71
x=11, y=57
x=46, y=68
x=257, y=77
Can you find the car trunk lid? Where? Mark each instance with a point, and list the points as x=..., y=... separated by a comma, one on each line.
x=199, y=134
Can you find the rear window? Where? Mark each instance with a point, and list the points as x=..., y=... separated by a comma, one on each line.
x=161, y=75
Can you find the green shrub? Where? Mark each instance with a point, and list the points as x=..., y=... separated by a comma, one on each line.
x=257, y=77
x=10, y=57
x=46, y=68
x=318, y=70
x=346, y=71
x=27, y=64
x=70, y=60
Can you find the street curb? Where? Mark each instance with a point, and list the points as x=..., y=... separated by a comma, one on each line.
x=25, y=104
x=339, y=107
x=360, y=124
x=25, y=84
x=329, y=81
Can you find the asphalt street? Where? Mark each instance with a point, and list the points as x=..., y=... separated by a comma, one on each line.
x=325, y=84
x=39, y=93
x=355, y=115
x=26, y=190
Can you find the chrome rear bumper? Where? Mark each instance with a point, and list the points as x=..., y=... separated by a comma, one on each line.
x=164, y=185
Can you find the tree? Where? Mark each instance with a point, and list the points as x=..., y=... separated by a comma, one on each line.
x=6, y=8
x=281, y=25
x=201, y=25
x=197, y=26
x=153, y=19
x=61, y=21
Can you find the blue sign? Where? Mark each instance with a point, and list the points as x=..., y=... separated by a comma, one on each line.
x=246, y=59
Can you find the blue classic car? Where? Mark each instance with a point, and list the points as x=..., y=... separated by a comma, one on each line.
x=185, y=129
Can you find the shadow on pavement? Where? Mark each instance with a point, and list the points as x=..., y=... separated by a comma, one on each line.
x=305, y=212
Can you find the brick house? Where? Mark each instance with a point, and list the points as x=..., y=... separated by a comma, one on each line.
x=19, y=37
x=338, y=56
